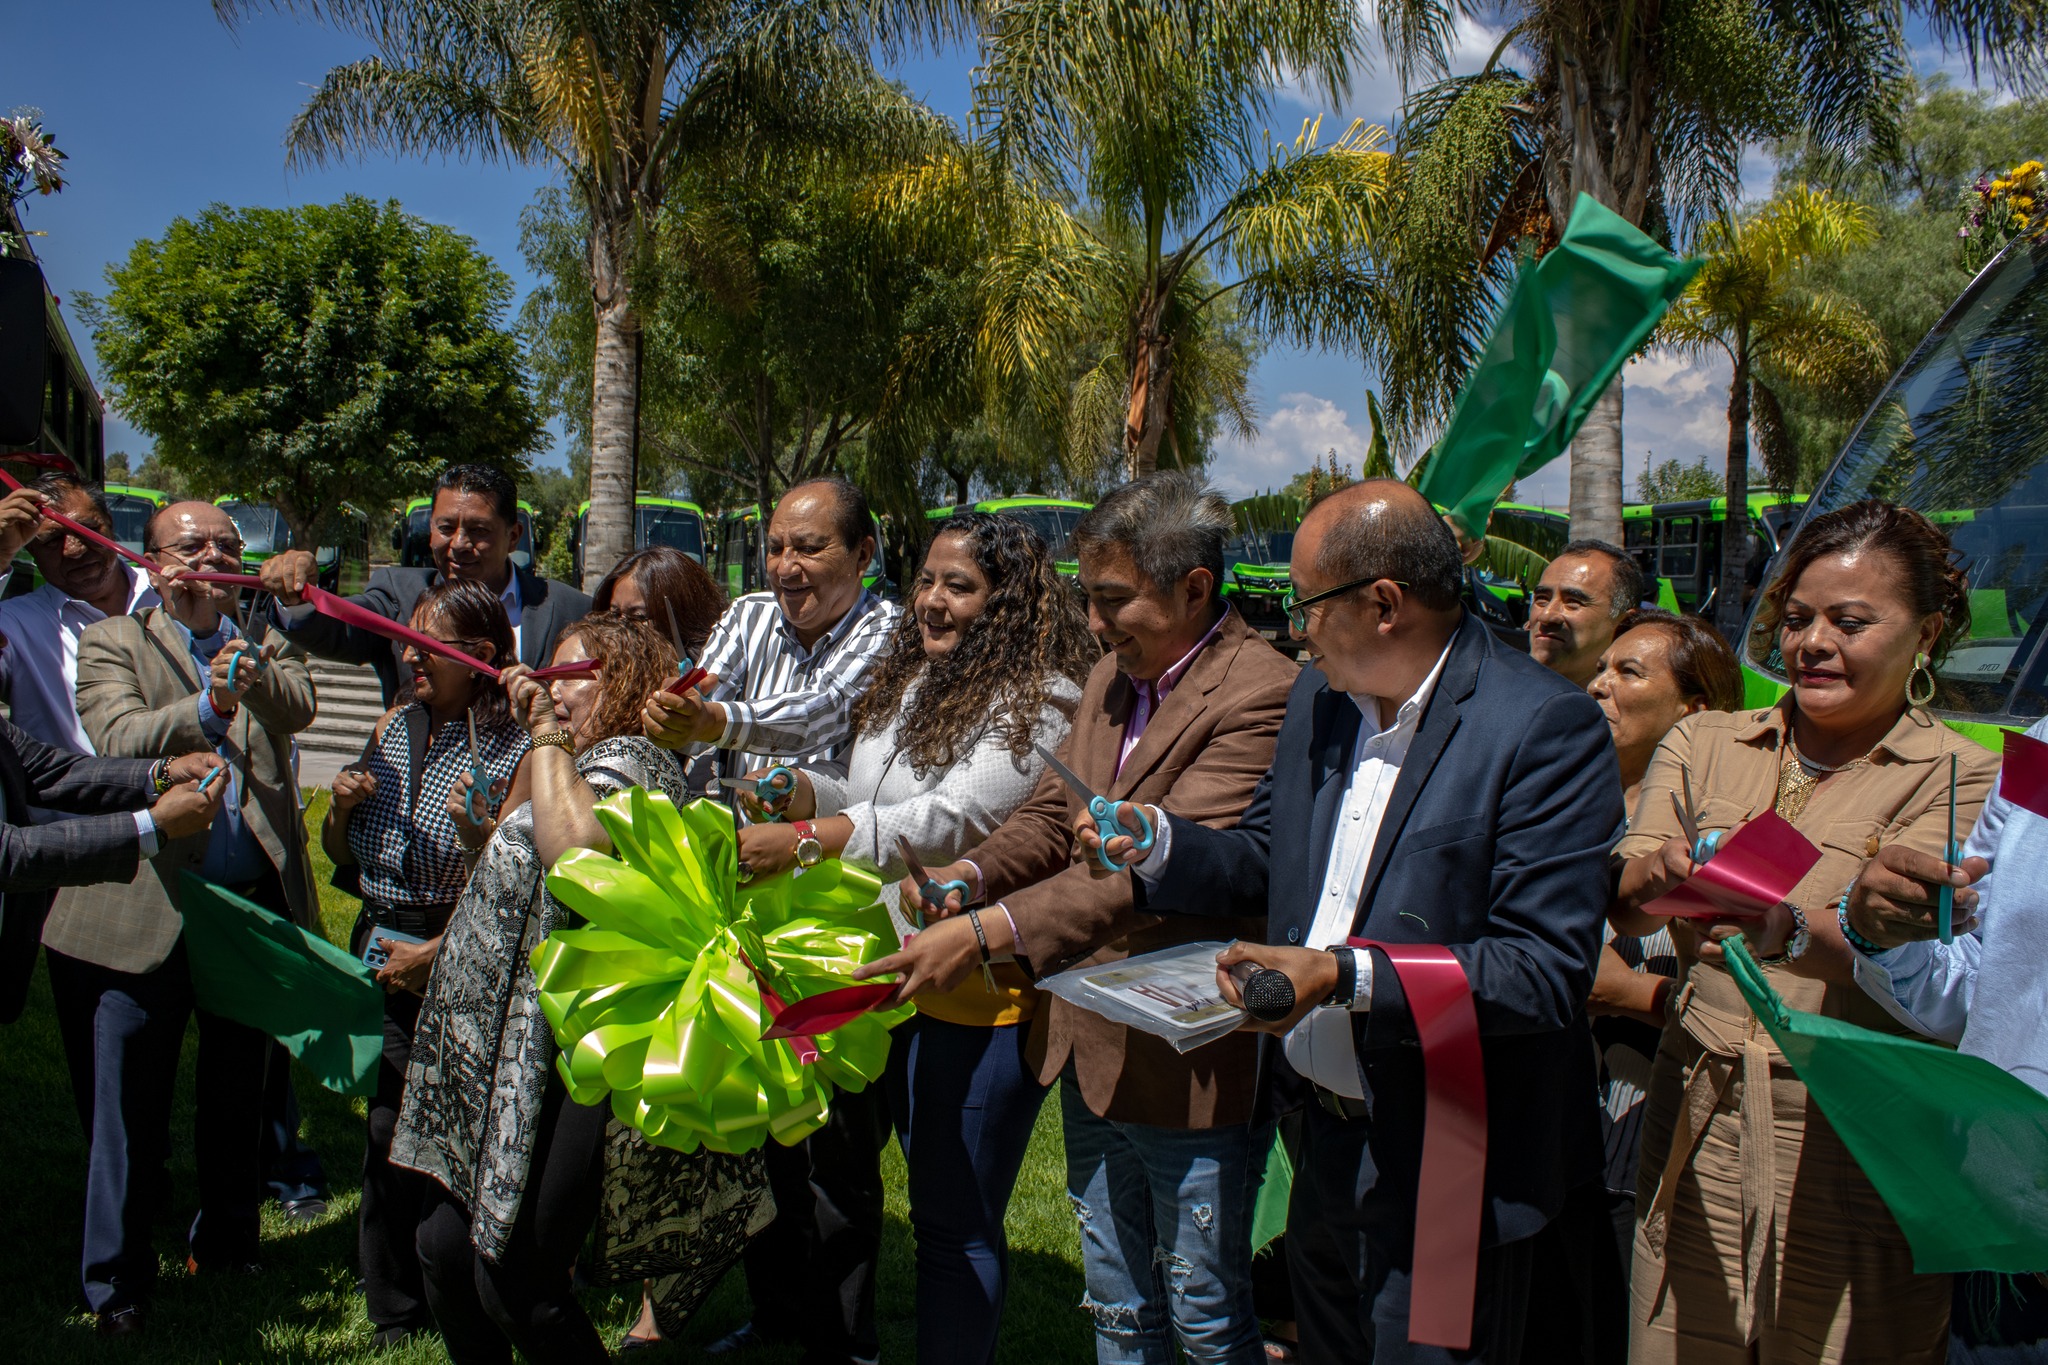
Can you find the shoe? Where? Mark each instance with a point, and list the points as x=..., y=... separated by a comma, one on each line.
x=219, y=1269
x=743, y=1338
x=387, y=1338
x=119, y=1322
x=634, y=1342
x=304, y=1211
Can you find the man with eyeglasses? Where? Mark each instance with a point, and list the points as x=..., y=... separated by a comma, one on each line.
x=171, y=678
x=1430, y=786
x=786, y=667
x=82, y=583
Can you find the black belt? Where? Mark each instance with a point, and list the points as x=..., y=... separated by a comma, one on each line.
x=1342, y=1106
x=423, y=920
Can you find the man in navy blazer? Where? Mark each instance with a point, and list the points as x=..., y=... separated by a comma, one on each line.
x=1429, y=786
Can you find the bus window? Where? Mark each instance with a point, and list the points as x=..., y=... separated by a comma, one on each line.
x=677, y=527
x=1956, y=435
x=263, y=529
x=131, y=518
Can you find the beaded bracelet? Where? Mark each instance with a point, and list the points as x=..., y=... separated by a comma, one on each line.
x=1849, y=934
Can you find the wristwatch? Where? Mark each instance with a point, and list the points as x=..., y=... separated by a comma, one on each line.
x=1346, y=989
x=809, y=852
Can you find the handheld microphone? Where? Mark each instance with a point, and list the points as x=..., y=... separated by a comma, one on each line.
x=1268, y=993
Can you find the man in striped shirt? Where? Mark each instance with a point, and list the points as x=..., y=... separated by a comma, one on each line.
x=786, y=668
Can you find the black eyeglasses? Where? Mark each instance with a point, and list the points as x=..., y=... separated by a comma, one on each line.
x=192, y=549
x=1297, y=608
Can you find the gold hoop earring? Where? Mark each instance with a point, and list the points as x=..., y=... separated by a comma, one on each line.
x=1920, y=670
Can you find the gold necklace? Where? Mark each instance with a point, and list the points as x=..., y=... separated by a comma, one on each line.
x=1796, y=779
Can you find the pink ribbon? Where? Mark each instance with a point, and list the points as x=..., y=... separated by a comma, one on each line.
x=348, y=613
x=2023, y=779
x=41, y=461
x=1753, y=869
x=1450, y=1190
x=825, y=1011
x=85, y=533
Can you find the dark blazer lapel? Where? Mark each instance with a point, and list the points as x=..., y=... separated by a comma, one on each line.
x=1439, y=723
x=1336, y=726
x=536, y=616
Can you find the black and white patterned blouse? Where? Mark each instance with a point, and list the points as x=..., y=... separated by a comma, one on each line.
x=402, y=837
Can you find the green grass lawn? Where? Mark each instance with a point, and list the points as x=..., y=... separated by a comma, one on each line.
x=305, y=1306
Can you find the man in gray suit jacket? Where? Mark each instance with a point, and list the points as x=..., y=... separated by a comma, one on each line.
x=471, y=531
x=166, y=679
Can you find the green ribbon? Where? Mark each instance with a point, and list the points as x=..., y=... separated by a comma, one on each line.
x=656, y=1004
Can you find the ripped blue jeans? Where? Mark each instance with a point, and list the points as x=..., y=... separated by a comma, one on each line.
x=1166, y=1217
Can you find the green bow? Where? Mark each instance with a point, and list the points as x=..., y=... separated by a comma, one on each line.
x=656, y=1003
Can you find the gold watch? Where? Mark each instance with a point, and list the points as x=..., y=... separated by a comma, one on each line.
x=558, y=738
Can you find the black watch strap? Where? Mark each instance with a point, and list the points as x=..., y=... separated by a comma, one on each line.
x=1347, y=977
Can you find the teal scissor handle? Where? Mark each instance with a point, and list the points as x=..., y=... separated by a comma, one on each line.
x=778, y=785
x=235, y=663
x=934, y=893
x=1107, y=825
x=1947, y=921
x=1706, y=846
x=476, y=802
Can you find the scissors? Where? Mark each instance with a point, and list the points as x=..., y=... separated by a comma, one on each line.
x=1104, y=811
x=778, y=784
x=688, y=677
x=1702, y=845
x=207, y=781
x=247, y=617
x=1953, y=855
x=933, y=892
x=479, y=793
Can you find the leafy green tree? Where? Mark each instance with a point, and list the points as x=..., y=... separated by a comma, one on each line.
x=1645, y=108
x=616, y=95
x=1749, y=302
x=1128, y=139
x=314, y=356
x=1676, y=481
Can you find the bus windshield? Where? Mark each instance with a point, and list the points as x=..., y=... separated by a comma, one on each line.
x=1958, y=435
x=131, y=518
x=1053, y=525
x=263, y=529
x=676, y=527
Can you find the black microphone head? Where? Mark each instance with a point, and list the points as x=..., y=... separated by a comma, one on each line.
x=1269, y=995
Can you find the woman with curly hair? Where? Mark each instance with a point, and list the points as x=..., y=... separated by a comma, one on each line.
x=523, y=1169
x=987, y=661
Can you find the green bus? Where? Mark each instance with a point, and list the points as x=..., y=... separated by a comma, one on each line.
x=132, y=508
x=1680, y=544
x=1958, y=434
x=1053, y=519
x=674, y=522
x=412, y=540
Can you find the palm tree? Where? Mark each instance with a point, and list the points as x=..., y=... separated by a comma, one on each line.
x=1750, y=302
x=614, y=94
x=1646, y=108
x=1135, y=129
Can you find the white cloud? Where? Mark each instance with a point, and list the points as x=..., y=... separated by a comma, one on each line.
x=1375, y=94
x=1673, y=407
x=1294, y=436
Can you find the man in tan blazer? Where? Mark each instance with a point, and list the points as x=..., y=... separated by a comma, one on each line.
x=164, y=681
x=1181, y=713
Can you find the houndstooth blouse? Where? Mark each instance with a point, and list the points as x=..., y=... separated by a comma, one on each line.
x=401, y=835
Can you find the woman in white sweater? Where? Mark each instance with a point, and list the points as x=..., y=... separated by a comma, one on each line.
x=988, y=660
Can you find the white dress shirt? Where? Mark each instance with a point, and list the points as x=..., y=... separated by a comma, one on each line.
x=39, y=667
x=1320, y=1047
x=515, y=608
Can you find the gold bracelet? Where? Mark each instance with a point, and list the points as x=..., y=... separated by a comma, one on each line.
x=557, y=738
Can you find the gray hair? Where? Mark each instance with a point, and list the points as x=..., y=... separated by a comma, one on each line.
x=1170, y=522
x=1399, y=538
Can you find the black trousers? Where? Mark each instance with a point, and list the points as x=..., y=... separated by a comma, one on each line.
x=122, y=1033
x=526, y=1301
x=811, y=1273
x=394, y=1199
x=1349, y=1253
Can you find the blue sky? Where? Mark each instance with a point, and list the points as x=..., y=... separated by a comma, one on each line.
x=164, y=111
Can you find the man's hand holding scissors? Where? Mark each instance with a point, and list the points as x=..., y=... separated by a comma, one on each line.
x=952, y=886
x=1114, y=835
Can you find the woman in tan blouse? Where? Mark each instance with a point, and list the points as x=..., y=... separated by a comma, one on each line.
x=1759, y=1240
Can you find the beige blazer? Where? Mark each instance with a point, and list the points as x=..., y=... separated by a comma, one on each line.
x=138, y=686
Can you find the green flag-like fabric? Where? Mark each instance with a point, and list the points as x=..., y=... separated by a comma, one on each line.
x=1957, y=1147
x=1571, y=321
x=1269, y=1215
x=250, y=966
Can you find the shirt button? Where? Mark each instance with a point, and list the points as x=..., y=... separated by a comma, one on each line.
x=1294, y=935
x=1356, y=815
